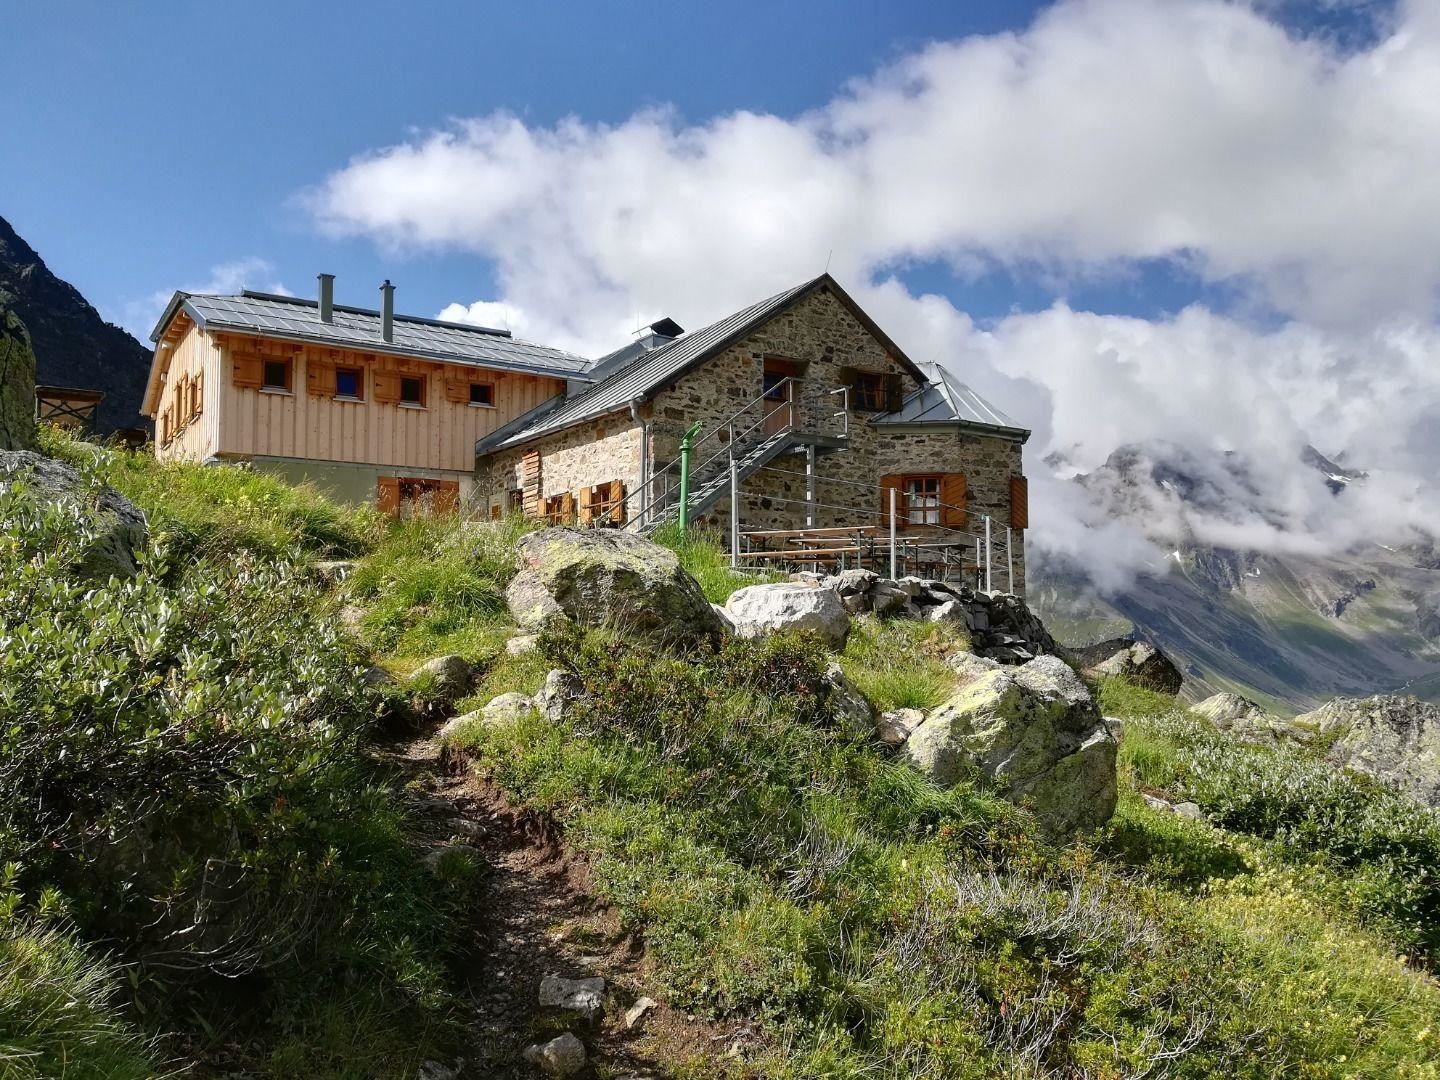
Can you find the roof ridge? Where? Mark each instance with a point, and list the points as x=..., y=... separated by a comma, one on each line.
x=305, y=301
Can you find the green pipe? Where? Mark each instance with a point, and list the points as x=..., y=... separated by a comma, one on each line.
x=685, y=448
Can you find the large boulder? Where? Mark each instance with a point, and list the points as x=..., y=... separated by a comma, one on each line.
x=1392, y=738
x=17, y=384
x=121, y=532
x=1138, y=662
x=759, y=610
x=1033, y=734
x=1245, y=719
x=608, y=577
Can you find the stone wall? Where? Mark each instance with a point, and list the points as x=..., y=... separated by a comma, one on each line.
x=580, y=457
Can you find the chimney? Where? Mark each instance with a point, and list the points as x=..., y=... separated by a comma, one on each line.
x=660, y=332
x=387, y=311
x=327, y=297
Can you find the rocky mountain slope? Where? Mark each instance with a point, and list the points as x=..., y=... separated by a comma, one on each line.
x=1287, y=629
x=73, y=345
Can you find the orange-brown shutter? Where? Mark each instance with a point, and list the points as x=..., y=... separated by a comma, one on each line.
x=387, y=495
x=1019, y=502
x=199, y=392
x=457, y=389
x=952, y=495
x=320, y=377
x=447, y=496
x=248, y=372
x=617, y=502
x=387, y=387
x=587, y=497
x=567, y=508
x=530, y=483
x=889, y=483
x=496, y=512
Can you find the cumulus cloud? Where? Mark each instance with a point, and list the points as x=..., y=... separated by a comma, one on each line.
x=250, y=272
x=1108, y=133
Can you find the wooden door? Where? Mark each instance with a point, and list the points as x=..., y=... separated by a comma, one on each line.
x=780, y=396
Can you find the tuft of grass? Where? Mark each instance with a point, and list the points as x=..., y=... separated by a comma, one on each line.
x=899, y=664
x=703, y=555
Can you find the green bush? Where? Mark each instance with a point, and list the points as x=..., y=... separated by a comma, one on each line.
x=183, y=765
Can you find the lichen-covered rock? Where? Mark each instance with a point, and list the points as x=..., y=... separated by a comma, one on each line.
x=1393, y=738
x=121, y=532
x=560, y=694
x=1138, y=662
x=1241, y=716
x=608, y=577
x=446, y=678
x=17, y=384
x=759, y=610
x=506, y=708
x=1034, y=735
x=894, y=727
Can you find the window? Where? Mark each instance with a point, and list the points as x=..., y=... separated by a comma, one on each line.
x=349, y=383
x=276, y=375
x=867, y=392
x=921, y=496
x=560, y=509
x=412, y=391
x=482, y=393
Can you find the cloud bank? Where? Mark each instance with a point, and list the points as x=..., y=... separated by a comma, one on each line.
x=1107, y=136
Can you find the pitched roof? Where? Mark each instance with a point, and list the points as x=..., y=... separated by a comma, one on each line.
x=944, y=399
x=294, y=319
x=643, y=376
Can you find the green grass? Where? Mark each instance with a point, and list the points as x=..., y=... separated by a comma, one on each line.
x=899, y=664
x=703, y=555
x=881, y=927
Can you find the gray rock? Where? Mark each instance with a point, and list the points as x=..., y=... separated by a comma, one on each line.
x=584, y=997
x=608, y=577
x=456, y=724
x=894, y=727
x=119, y=526
x=949, y=611
x=852, y=582
x=856, y=603
x=1392, y=738
x=760, y=610
x=450, y=677
x=968, y=667
x=913, y=586
x=1034, y=735
x=851, y=709
x=1189, y=810
x=636, y=1012
x=1233, y=713
x=558, y=697
x=888, y=600
x=561, y=1056
x=727, y=625
x=334, y=571
x=434, y=1070
x=1138, y=662
x=521, y=644
x=377, y=677
x=1116, y=726
x=507, y=708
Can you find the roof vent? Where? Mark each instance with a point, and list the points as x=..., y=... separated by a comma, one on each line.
x=387, y=311
x=660, y=332
x=327, y=297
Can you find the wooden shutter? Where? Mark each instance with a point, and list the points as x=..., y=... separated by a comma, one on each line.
x=1019, y=502
x=952, y=495
x=617, y=502
x=320, y=377
x=496, y=512
x=387, y=495
x=894, y=391
x=387, y=387
x=530, y=483
x=567, y=508
x=446, y=499
x=199, y=392
x=248, y=370
x=888, y=484
x=457, y=389
x=587, y=498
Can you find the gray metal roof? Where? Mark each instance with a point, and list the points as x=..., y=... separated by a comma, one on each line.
x=947, y=400
x=294, y=319
x=646, y=374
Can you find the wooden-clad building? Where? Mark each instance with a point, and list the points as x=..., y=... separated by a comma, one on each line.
x=368, y=405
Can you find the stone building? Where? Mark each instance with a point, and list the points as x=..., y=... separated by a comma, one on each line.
x=826, y=420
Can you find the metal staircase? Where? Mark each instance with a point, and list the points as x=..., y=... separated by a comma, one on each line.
x=713, y=483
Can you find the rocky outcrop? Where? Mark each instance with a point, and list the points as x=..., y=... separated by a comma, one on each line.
x=120, y=530
x=1032, y=733
x=445, y=679
x=1392, y=738
x=759, y=610
x=17, y=384
x=1138, y=662
x=1247, y=720
x=607, y=577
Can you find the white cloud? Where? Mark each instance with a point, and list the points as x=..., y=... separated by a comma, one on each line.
x=250, y=272
x=1108, y=132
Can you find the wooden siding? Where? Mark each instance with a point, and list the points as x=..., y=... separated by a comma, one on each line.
x=305, y=425
x=194, y=358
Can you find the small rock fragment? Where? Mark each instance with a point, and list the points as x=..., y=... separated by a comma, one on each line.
x=584, y=997
x=562, y=1056
x=636, y=1012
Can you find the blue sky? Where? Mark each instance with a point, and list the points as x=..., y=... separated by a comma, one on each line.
x=157, y=141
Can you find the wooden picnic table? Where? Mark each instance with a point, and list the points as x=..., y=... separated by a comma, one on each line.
x=801, y=554
x=829, y=530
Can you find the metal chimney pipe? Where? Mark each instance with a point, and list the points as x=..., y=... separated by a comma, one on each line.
x=387, y=311
x=327, y=297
